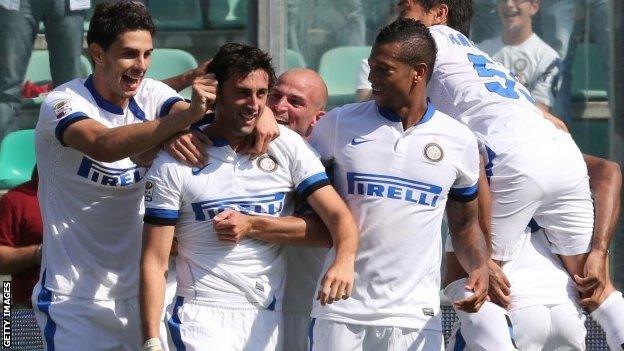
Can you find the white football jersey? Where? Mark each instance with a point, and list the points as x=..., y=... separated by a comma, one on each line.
x=92, y=210
x=537, y=276
x=533, y=63
x=396, y=183
x=468, y=85
x=251, y=271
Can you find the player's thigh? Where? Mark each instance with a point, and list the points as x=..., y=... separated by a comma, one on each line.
x=516, y=195
x=531, y=327
x=295, y=330
x=408, y=339
x=193, y=326
x=329, y=335
x=568, y=328
x=567, y=212
x=69, y=323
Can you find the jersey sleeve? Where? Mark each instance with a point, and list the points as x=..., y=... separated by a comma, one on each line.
x=465, y=187
x=307, y=171
x=59, y=111
x=162, y=96
x=163, y=191
x=323, y=137
x=362, y=77
x=546, y=79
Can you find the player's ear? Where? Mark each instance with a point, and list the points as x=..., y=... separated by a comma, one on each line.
x=96, y=52
x=420, y=72
x=441, y=14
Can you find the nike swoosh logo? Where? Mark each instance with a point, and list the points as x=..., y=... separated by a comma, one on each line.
x=357, y=141
x=197, y=171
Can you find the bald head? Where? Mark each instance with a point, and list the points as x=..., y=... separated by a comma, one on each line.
x=298, y=99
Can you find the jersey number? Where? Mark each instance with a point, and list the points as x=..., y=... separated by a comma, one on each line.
x=508, y=90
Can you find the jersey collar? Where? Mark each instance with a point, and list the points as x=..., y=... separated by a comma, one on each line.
x=109, y=106
x=393, y=117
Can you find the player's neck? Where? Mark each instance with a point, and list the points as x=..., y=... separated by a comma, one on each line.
x=412, y=113
x=218, y=130
x=517, y=36
x=102, y=88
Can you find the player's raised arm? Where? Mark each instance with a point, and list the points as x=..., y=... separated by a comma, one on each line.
x=112, y=144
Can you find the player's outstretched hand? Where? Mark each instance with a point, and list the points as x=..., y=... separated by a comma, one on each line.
x=337, y=283
x=500, y=288
x=204, y=95
x=189, y=147
x=477, y=283
x=231, y=226
x=266, y=131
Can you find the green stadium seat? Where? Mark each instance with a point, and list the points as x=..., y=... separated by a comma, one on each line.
x=38, y=71
x=39, y=67
x=176, y=15
x=17, y=158
x=167, y=63
x=294, y=59
x=589, y=81
x=227, y=14
x=339, y=68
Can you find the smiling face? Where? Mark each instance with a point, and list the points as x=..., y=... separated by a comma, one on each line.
x=392, y=79
x=298, y=100
x=516, y=15
x=122, y=66
x=241, y=101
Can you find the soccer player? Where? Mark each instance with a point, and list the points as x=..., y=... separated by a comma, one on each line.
x=90, y=190
x=535, y=170
x=298, y=100
x=399, y=163
x=230, y=287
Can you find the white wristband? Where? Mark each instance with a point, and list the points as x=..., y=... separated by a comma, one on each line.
x=152, y=344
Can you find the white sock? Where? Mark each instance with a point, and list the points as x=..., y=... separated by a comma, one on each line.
x=488, y=329
x=610, y=316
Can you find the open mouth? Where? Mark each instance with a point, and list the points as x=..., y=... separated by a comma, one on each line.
x=131, y=81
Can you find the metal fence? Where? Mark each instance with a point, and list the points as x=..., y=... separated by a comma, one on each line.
x=26, y=335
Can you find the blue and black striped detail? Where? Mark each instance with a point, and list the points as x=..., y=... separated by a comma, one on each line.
x=67, y=121
x=166, y=106
x=311, y=184
x=464, y=194
x=160, y=216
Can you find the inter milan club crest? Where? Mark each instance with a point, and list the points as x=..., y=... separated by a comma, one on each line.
x=267, y=163
x=433, y=152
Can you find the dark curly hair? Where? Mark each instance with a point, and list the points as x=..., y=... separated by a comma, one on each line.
x=416, y=43
x=459, y=16
x=113, y=19
x=238, y=60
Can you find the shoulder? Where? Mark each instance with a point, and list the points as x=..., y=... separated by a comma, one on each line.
x=71, y=91
x=164, y=160
x=454, y=128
